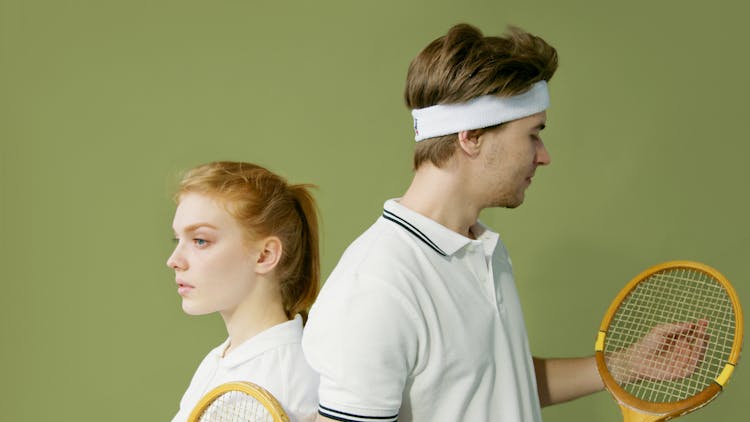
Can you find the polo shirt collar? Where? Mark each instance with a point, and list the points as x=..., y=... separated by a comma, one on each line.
x=284, y=333
x=441, y=239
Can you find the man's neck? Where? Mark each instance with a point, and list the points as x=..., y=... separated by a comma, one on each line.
x=442, y=195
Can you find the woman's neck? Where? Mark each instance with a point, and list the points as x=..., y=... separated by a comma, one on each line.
x=259, y=312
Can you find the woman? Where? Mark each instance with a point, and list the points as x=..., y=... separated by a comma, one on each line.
x=247, y=248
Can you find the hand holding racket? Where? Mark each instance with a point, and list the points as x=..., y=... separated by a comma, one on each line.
x=669, y=341
x=667, y=353
x=238, y=402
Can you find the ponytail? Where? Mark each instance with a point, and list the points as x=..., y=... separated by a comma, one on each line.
x=308, y=279
x=266, y=205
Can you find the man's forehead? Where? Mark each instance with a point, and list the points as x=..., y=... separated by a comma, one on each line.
x=537, y=121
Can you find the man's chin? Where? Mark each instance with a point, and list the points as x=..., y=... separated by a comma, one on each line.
x=510, y=204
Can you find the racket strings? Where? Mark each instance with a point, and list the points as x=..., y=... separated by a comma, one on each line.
x=672, y=297
x=234, y=406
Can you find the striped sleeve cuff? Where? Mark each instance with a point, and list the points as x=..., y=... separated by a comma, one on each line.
x=338, y=415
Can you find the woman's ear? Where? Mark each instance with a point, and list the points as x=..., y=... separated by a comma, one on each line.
x=270, y=250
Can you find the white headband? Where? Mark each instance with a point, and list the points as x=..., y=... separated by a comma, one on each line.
x=484, y=111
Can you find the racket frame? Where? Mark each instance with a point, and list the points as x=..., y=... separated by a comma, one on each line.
x=255, y=391
x=637, y=409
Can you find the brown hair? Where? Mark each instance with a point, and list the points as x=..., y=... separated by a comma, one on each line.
x=464, y=64
x=266, y=205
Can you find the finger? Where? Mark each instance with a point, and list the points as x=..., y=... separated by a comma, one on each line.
x=701, y=327
x=675, y=328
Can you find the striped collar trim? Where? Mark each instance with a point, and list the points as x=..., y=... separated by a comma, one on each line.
x=444, y=241
x=413, y=230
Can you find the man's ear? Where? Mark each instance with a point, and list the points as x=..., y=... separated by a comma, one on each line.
x=469, y=142
x=270, y=250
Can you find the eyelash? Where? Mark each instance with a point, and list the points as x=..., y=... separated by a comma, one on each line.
x=198, y=242
x=201, y=243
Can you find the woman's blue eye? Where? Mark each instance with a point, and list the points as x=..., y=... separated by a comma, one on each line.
x=200, y=242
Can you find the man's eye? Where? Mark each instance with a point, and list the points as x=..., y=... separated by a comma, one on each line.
x=200, y=242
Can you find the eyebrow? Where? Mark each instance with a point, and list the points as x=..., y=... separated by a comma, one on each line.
x=540, y=126
x=196, y=226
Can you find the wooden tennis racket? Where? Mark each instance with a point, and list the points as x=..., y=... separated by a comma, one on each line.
x=238, y=402
x=669, y=341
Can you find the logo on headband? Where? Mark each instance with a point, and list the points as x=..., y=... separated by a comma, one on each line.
x=416, y=128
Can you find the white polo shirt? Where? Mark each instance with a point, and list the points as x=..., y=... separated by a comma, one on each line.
x=419, y=323
x=272, y=359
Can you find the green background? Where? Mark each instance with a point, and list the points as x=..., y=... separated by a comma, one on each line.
x=103, y=103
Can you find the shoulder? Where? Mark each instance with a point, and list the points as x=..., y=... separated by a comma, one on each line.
x=210, y=361
x=200, y=379
x=384, y=252
x=376, y=275
x=367, y=304
x=382, y=238
x=286, y=368
x=277, y=364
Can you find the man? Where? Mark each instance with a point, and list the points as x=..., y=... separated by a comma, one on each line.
x=421, y=320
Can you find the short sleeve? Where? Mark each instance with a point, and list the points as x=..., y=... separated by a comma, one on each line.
x=361, y=337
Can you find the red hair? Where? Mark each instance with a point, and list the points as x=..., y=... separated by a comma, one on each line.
x=266, y=205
